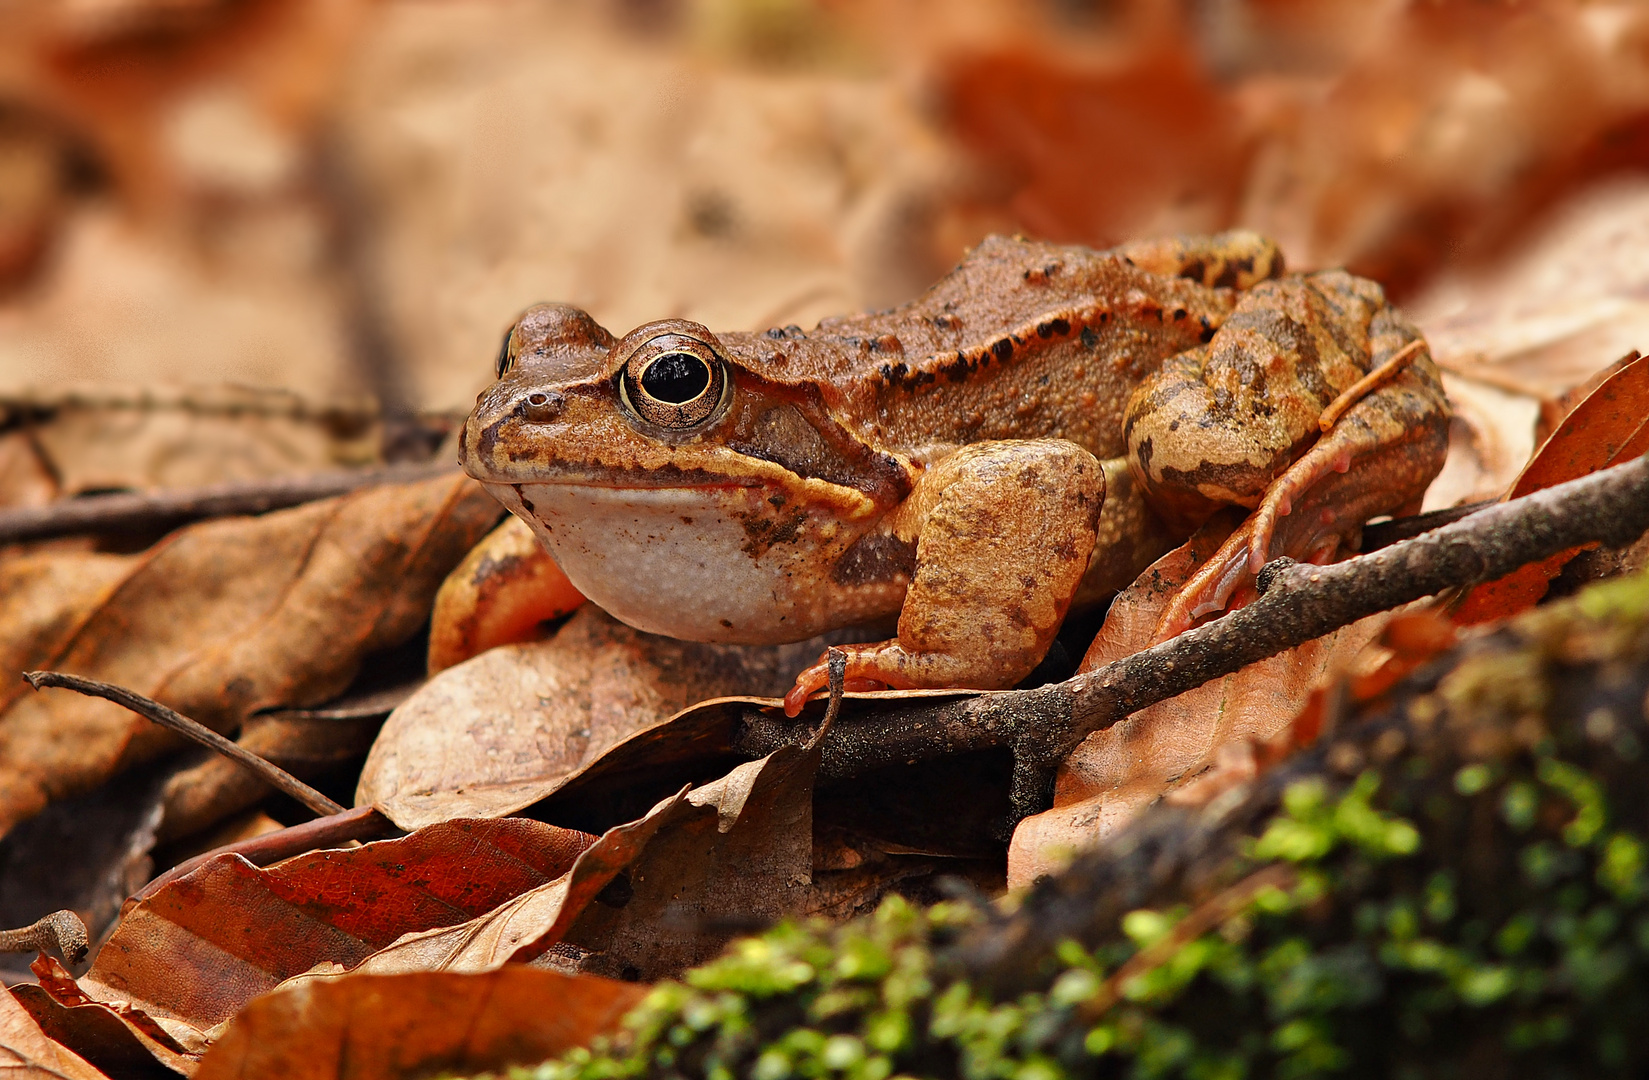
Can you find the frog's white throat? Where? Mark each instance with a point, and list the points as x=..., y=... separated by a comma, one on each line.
x=712, y=564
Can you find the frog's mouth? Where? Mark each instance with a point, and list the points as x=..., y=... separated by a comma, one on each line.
x=622, y=479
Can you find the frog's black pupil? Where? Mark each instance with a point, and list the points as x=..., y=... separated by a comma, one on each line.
x=676, y=378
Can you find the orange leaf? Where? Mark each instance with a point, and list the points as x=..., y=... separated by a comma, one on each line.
x=1610, y=425
x=28, y=1054
x=367, y=1027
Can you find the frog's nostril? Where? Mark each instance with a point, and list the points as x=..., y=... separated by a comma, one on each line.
x=542, y=405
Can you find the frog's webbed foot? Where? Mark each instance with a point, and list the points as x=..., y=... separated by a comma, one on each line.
x=1004, y=531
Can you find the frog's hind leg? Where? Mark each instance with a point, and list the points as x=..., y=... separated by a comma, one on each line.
x=1378, y=456
x=1004, y=532
x=1241, y=421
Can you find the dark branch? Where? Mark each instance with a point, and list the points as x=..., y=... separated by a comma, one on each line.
x=273, y=775
x=167, y=509
x=1300, y=603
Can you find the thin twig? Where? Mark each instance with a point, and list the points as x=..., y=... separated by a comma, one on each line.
x=61, y=931
x=363, y=823
x=836, y=670
x=1301, y=603
x=1386, y=533
x=168, y=509
x=273, y=775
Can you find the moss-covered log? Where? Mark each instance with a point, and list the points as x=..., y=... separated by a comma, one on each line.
x=1453, y=883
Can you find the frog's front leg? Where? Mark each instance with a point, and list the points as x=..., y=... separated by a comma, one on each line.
x=1003, y=533
x=1237, y=422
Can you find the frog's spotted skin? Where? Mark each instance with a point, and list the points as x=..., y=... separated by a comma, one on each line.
x=942, y=462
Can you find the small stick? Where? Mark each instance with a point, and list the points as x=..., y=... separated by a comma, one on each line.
x=166, y=509
x=61, y=931
x=836, y=669
x=363, y=823
x=1369, y=383
x=273, y=775
x=1386, y=533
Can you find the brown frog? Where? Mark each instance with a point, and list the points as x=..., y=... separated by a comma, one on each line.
x=947, y=461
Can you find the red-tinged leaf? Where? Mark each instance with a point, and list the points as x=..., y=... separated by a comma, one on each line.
x=736, y=850
x=27, y=1053
x=1610, y=425
x=384, y=1027
x=203, y=945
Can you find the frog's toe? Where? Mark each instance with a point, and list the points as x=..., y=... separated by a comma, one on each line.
x=861, y=677
x=1325, y=459
x=1211, y=588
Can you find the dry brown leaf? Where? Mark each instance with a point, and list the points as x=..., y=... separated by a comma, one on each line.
x=385, y=1027
x=202, y=946
x=27, y=1053
x=1116, y=773
x=502, y=731
x=173, y=1042
x=741, y=859
x=222, y=619
x=656, y=895
x=113, y=1040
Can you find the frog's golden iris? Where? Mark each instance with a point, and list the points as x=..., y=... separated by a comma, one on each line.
x=674, y=382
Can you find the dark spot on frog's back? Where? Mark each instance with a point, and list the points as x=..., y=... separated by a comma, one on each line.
x=875, y=559
x=1233, y=272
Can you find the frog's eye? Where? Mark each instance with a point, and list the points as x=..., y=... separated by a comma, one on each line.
x=678, y=385
x=506, y=355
